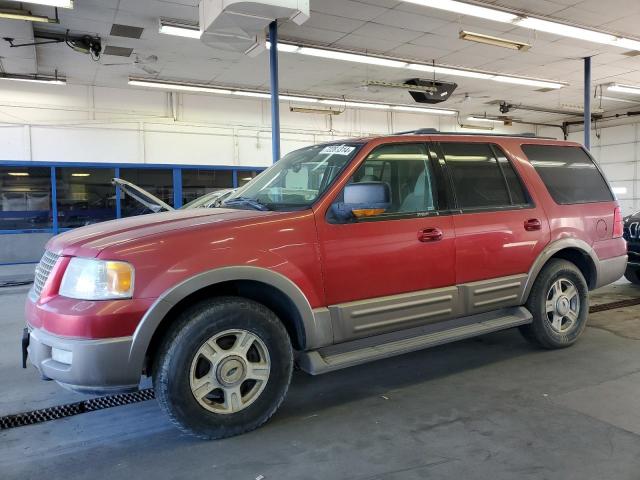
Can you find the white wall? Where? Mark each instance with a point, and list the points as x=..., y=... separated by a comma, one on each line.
x=76, y=123
x=617, y=151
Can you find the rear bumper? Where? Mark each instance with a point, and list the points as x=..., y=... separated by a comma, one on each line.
x=610, y=270
x=86, y=366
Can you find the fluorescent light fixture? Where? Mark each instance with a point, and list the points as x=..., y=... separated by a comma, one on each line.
x=18, y=174
x=619, y=190
x=531, y=82
x=285, y=47
x=423, y=67
x=495, y=41
x=194, y=87
x=191, y=87
x=25, y=15
x=476, y=118
x=475, y=127
x=350, y=57
x=468, y=9
x=179, y=28
x=80, y=174
x=436, y=111
x=616, y=87
x=49, y=79
x=565, y=30
x=49, y=3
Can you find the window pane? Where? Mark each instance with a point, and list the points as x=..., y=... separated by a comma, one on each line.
x=244, y=176
x=407, y=170
x=518, y=197
x=25, y=198
x=196, y=183
x=476, y=175
x=158, y=182
x=569, y=174
x=84, y=196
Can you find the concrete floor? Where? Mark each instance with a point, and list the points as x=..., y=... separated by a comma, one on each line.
x=487, y=408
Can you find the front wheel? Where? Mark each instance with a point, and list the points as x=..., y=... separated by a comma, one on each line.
x=559, y=303
x=224, y=368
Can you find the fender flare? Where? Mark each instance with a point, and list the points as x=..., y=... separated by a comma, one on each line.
x=161, y=307
x=553, y=248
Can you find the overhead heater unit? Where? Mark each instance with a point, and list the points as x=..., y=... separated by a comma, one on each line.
x=430, y=91
x=240, y=24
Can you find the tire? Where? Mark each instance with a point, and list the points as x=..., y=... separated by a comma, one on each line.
x=204, y=351
x=633, y=275
x=552, y=329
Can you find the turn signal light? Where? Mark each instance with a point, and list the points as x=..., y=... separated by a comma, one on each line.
x=618, y=225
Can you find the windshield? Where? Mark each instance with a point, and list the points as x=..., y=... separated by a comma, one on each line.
x=296, y=180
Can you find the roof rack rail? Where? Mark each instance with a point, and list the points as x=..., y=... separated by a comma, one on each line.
x=435, y=131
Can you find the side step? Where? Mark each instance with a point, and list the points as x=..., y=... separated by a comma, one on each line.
x=366, y=350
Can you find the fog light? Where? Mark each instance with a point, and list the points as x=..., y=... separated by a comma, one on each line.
x=62, y=356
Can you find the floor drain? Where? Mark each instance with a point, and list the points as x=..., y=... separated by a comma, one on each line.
x=71, y=409
x=613, y=305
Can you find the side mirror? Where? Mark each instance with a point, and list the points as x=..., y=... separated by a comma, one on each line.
x=361, y=200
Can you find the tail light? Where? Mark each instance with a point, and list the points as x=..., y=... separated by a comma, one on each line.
x=618, y=225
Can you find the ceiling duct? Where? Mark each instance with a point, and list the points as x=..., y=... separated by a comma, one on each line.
x=240, y=24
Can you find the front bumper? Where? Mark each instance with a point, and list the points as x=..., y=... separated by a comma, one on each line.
x=87, y=366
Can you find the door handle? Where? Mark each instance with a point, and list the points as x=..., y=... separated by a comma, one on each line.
x=430, y=234
x=532, y=224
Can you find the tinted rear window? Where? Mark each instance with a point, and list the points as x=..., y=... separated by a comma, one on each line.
x=569, y=174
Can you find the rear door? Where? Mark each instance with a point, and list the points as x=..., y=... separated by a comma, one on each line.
x=499, y=229
x=380, y=272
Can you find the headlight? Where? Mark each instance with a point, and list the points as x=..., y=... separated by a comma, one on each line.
x=91, y=279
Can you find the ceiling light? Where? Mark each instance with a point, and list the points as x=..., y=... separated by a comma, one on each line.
x=423, y=67
x=619, y=190
x=350, y=57
x=468, y=9
x=475, y=127
x=80, y=174
x=565, y=30
x=615, y=87
x=323, y=111
x=475, y=118
x=25, y=15
x=532, y=82
x=436, y=111
x=50, y=3
x=495, y=41
x=49, y=79
x=191, y=87
x=285, y=47
x=19, y=174
x=195, y=87
x=179, y=28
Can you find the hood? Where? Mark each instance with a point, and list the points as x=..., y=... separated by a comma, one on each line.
x=146, y=198
x=89, y=241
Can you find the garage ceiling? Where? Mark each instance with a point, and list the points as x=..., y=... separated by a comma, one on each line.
x=388, y=27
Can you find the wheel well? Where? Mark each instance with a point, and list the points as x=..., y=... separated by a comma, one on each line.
x=580, y=260
x=269, y=296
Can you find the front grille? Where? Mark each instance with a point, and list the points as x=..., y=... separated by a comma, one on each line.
x=43, y=270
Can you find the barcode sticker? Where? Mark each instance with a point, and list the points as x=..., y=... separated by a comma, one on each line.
x=338, y=149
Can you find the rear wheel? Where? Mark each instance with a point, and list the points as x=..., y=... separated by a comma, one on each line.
x=224, y=368
x=633, y=275
x=559, y=303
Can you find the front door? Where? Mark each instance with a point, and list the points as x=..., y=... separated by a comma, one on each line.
x=394, y=269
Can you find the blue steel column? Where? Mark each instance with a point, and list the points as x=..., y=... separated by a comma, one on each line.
x=177, y=187
x=54, y=202
x=275, y=98
x=587, y=103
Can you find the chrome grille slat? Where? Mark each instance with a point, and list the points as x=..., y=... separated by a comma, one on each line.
x=43, y=270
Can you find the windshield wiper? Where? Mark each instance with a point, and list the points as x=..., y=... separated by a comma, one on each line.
x=258, y=205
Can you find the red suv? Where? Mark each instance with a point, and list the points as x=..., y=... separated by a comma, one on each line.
x=337, y=255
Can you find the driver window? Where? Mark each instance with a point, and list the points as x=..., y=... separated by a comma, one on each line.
x=406, y=169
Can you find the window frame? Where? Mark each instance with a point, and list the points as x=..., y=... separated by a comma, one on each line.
x=591, y=158
x=497, y=151
x=441, y=197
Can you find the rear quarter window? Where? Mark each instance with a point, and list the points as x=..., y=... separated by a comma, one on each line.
x=568, y=173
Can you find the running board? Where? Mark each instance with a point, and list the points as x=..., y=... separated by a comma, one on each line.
x=366, y=350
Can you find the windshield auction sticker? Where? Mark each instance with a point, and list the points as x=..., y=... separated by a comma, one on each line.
x=338, y=150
